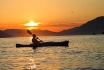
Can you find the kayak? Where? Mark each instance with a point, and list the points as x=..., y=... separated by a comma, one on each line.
x=44, y=44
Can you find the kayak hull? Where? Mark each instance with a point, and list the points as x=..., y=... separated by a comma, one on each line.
x=44, y=44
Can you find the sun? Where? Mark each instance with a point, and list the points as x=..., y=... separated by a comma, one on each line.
x=32, y=25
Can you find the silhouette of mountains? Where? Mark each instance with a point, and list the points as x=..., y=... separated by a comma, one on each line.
x=23, y=32
x=2, y=34
x=95, y=26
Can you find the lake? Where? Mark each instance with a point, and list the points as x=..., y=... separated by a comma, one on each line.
x=85, y=52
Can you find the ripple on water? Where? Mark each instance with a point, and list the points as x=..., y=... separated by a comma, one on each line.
x=84, y=53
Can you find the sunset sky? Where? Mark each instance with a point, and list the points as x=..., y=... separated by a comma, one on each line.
x=54, y=15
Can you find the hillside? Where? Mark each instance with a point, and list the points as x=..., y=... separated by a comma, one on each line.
x=93, y=26
x=2, y=34
x=23, y=32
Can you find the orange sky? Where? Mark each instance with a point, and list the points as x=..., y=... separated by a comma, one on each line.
x=54, y=15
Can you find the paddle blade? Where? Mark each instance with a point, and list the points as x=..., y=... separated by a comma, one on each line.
x=29, y=32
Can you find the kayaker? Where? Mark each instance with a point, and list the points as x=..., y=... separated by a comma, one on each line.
x=35, y=39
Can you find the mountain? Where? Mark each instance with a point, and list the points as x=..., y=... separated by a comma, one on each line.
x=23, y=32
x=93, y=26
x=44, y=32
x=16, y=32
x=67, y=32
x=2, y=34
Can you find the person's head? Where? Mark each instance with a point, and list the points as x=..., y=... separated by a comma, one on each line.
x=34, y=35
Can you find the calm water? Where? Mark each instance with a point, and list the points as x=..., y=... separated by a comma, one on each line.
x=84, y=53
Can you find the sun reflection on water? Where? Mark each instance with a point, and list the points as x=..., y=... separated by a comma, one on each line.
x=31, y=64
x=30, y=38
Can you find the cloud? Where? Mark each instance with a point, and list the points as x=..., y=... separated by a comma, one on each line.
x=76, y=24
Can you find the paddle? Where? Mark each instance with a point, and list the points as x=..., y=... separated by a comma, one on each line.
x=29, y=32
x=32, y=34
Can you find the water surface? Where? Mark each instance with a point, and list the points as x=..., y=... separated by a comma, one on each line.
x=85, y=52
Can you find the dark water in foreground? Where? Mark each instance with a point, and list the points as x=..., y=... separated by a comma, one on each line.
x=84, y=53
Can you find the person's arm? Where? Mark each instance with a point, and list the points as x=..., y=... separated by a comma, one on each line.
x=39, y=39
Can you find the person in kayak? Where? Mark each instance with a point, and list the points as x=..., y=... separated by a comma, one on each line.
x=35, y=39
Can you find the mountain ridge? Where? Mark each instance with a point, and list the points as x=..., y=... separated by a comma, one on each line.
x=94, y=26
x=3, y=34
